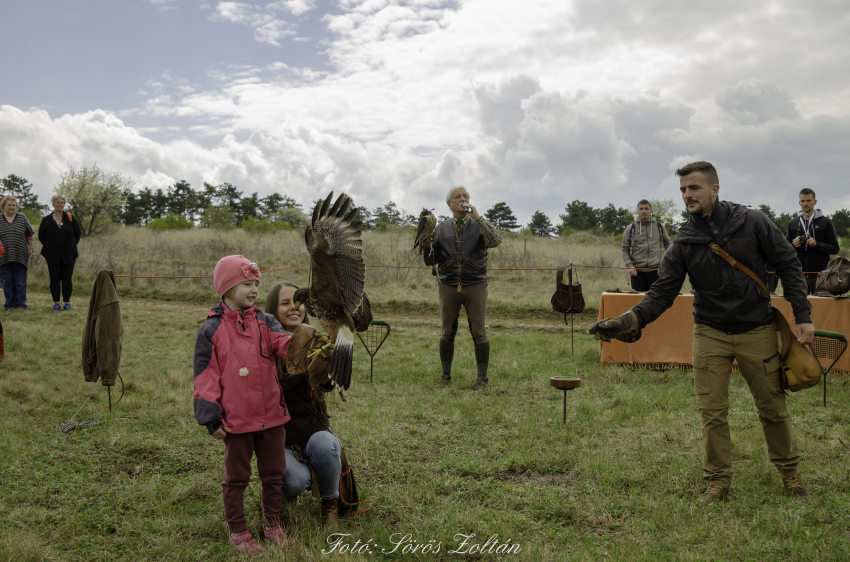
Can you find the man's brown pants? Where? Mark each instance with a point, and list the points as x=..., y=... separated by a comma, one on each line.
x=758, y=360
x=474, y=299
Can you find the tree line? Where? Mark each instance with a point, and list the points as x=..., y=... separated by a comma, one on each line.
x=99, y=197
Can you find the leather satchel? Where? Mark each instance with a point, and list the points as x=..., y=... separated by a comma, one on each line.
x=348, y=498
x=835, y=279
x=798, y=368
x=568, y=298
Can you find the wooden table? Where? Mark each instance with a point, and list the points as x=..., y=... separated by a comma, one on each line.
x=666, y=343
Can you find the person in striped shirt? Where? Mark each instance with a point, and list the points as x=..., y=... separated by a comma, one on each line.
x=16, y=235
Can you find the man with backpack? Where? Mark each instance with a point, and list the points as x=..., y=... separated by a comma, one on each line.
x=644, y=242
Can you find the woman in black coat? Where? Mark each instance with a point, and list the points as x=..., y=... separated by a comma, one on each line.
x=59, y=233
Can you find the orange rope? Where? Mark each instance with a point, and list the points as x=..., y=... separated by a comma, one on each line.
x=407, y=267
x=201, y=276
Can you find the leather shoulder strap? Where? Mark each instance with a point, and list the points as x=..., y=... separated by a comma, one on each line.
x=739, y=266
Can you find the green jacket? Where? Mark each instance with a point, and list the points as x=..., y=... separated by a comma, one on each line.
x=103, y=334
x=644, y=243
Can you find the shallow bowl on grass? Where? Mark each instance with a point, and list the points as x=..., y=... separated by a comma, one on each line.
x=565, y=383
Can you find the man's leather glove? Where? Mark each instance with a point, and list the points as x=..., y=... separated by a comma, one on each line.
x=625, y=328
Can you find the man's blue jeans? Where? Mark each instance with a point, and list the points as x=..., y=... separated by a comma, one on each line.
x=323, y=450
x=13, y=278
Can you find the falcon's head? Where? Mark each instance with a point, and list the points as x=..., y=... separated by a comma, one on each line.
x=302, y=296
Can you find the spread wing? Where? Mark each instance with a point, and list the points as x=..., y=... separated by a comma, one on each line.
x=338, y=274
x=427, y=223
x=363, y=315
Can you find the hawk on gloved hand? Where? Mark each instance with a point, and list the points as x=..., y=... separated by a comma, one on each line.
x=427, y=224
x=335, y=295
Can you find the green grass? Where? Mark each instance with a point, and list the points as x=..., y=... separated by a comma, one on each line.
x=142, y=251
x=619, y=481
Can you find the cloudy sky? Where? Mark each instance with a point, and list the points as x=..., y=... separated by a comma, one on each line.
x=531, y=102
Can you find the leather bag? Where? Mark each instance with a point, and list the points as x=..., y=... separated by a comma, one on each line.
x=798, y=368
x=568, y=298
x=348, y=497
x=835, y=279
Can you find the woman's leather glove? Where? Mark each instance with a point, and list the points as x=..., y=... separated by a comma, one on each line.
x=309, y=352
x=625, y=327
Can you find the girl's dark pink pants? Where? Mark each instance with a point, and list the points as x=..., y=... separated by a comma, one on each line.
x=271, y=466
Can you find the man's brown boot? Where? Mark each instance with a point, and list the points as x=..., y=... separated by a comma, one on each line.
x=794, y=487
x=481, y=383
x=713, y=493
x=444, y=381
x=329, y=514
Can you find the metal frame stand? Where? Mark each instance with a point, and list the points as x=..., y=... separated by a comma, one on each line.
x=376, y=335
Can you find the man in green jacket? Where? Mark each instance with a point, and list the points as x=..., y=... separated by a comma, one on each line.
x=644, y=242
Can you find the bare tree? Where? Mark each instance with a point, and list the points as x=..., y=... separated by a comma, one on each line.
x=94, y=195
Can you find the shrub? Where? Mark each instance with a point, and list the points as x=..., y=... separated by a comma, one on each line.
x=171, y=221
x=33, y=216
x=218, y=217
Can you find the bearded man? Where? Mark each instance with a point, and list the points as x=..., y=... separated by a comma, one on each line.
x=733, y=320
x=458, y=251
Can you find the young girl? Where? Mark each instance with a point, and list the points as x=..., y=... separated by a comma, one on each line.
x=238, y=397
x=308, y=431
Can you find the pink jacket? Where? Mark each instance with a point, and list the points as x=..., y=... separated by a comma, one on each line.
x=230, y=342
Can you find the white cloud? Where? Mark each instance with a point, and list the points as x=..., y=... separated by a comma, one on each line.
x=267, y=28
x=535, y=106
x=295, y=7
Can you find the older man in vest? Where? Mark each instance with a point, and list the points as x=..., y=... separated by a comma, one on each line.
x=458, y=252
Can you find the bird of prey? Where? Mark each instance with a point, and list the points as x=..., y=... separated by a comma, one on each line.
x=427, y=223
x=335, y=295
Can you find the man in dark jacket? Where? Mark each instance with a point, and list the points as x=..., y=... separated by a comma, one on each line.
x=458, y=251
x=734, y=320
x=812, y=234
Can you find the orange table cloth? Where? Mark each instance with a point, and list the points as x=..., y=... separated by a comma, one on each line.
x=666, y=343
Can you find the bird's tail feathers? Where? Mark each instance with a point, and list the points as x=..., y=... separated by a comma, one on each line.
x=342, y=357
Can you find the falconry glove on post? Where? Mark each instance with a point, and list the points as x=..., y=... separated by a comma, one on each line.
x=625, y=328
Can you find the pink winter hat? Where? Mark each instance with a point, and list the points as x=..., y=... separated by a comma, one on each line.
x=232, y=270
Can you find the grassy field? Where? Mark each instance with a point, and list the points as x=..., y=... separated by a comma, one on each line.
x=140, y=251
x=619, y=481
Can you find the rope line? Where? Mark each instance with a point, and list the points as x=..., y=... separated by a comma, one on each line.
x=202, y=276
x=408, y=267
x=69, y=426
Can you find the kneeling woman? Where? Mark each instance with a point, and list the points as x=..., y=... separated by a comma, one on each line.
x=308, y=432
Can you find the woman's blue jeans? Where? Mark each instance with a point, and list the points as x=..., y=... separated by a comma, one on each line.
x=13, y=277
x=323, y=450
